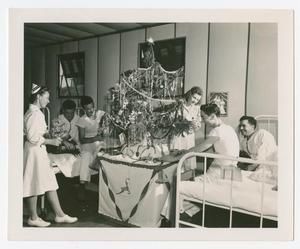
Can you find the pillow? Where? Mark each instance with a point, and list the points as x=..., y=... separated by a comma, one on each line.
x=231, y=173
x=267, y=175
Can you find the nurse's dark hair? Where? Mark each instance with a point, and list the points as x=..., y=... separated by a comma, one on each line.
x=251, y=120
x=210, y=109
x=192, y=91
x=33, y=97
x=86, y=100
x=68, y=105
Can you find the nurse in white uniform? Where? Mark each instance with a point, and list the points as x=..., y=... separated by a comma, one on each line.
x=191, y=112
x=38, y=176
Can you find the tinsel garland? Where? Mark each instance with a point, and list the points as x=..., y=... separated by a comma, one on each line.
x=146, y=97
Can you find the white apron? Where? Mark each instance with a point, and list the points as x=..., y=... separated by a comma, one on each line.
x=38, y=175
x=191, y=113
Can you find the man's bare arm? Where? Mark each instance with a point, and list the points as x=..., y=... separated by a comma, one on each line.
x=201, y=147
x=205, y=145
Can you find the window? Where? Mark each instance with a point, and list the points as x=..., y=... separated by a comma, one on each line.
x=71, y=75
x=169, y=53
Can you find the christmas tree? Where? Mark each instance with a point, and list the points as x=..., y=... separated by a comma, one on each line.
x=144, y=107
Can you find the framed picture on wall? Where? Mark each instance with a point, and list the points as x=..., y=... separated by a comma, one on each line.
x=170, y=54
x=71, y=75
x=221, y=100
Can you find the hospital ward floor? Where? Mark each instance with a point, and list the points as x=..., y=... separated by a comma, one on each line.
x=87, y=211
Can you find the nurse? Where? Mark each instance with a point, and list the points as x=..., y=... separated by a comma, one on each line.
x=191, y=112
x=38, y=176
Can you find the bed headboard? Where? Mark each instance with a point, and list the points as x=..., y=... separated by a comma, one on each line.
x=269, y=123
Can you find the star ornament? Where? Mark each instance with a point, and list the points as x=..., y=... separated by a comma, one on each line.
x=150, y=40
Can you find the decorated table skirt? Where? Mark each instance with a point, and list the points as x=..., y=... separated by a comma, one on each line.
x=133, y=192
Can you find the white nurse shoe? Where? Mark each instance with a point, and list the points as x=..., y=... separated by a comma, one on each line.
x=39, y=222
x=65, y=219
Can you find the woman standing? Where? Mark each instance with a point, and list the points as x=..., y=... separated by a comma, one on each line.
x=38, y=176
x=191, y=112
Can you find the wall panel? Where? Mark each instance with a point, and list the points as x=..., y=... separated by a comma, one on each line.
x=161, y=32
x=38, y=66
x=129, y=48
x=196, y=54
x=89, y=47
x=227, y=66
x=52, y=78
x=262, y=71
x=108, y=65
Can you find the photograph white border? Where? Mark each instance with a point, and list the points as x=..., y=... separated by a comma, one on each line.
x=284, y=19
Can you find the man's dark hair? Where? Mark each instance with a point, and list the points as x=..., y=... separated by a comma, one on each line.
x=69, y=105
x=211, y=108
x=86, y=100
x=251, y=120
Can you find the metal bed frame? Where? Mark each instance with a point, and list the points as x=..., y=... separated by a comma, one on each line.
x=204, y=202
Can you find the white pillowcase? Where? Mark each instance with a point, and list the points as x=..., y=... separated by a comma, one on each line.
x=265, y=173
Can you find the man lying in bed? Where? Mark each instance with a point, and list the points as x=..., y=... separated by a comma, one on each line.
x=225, y=143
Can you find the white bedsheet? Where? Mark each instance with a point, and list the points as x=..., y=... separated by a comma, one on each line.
x=68, y=164
x=246, y=194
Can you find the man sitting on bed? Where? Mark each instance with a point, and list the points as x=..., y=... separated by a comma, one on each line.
x=69, y=120
x=225, y=143
x=64, y=127
x=255, y=143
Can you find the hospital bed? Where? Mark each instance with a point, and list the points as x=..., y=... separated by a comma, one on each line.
x=68, y=164
x=237, y=191
x=234, y=193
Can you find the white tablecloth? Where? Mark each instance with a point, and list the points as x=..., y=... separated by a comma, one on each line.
x=133, y=191
x=68, y=164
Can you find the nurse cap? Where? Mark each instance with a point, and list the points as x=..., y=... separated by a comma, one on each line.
x=35, y=88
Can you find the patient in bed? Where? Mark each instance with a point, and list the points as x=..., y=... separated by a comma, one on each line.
x=258, y=144
x=227, y=144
